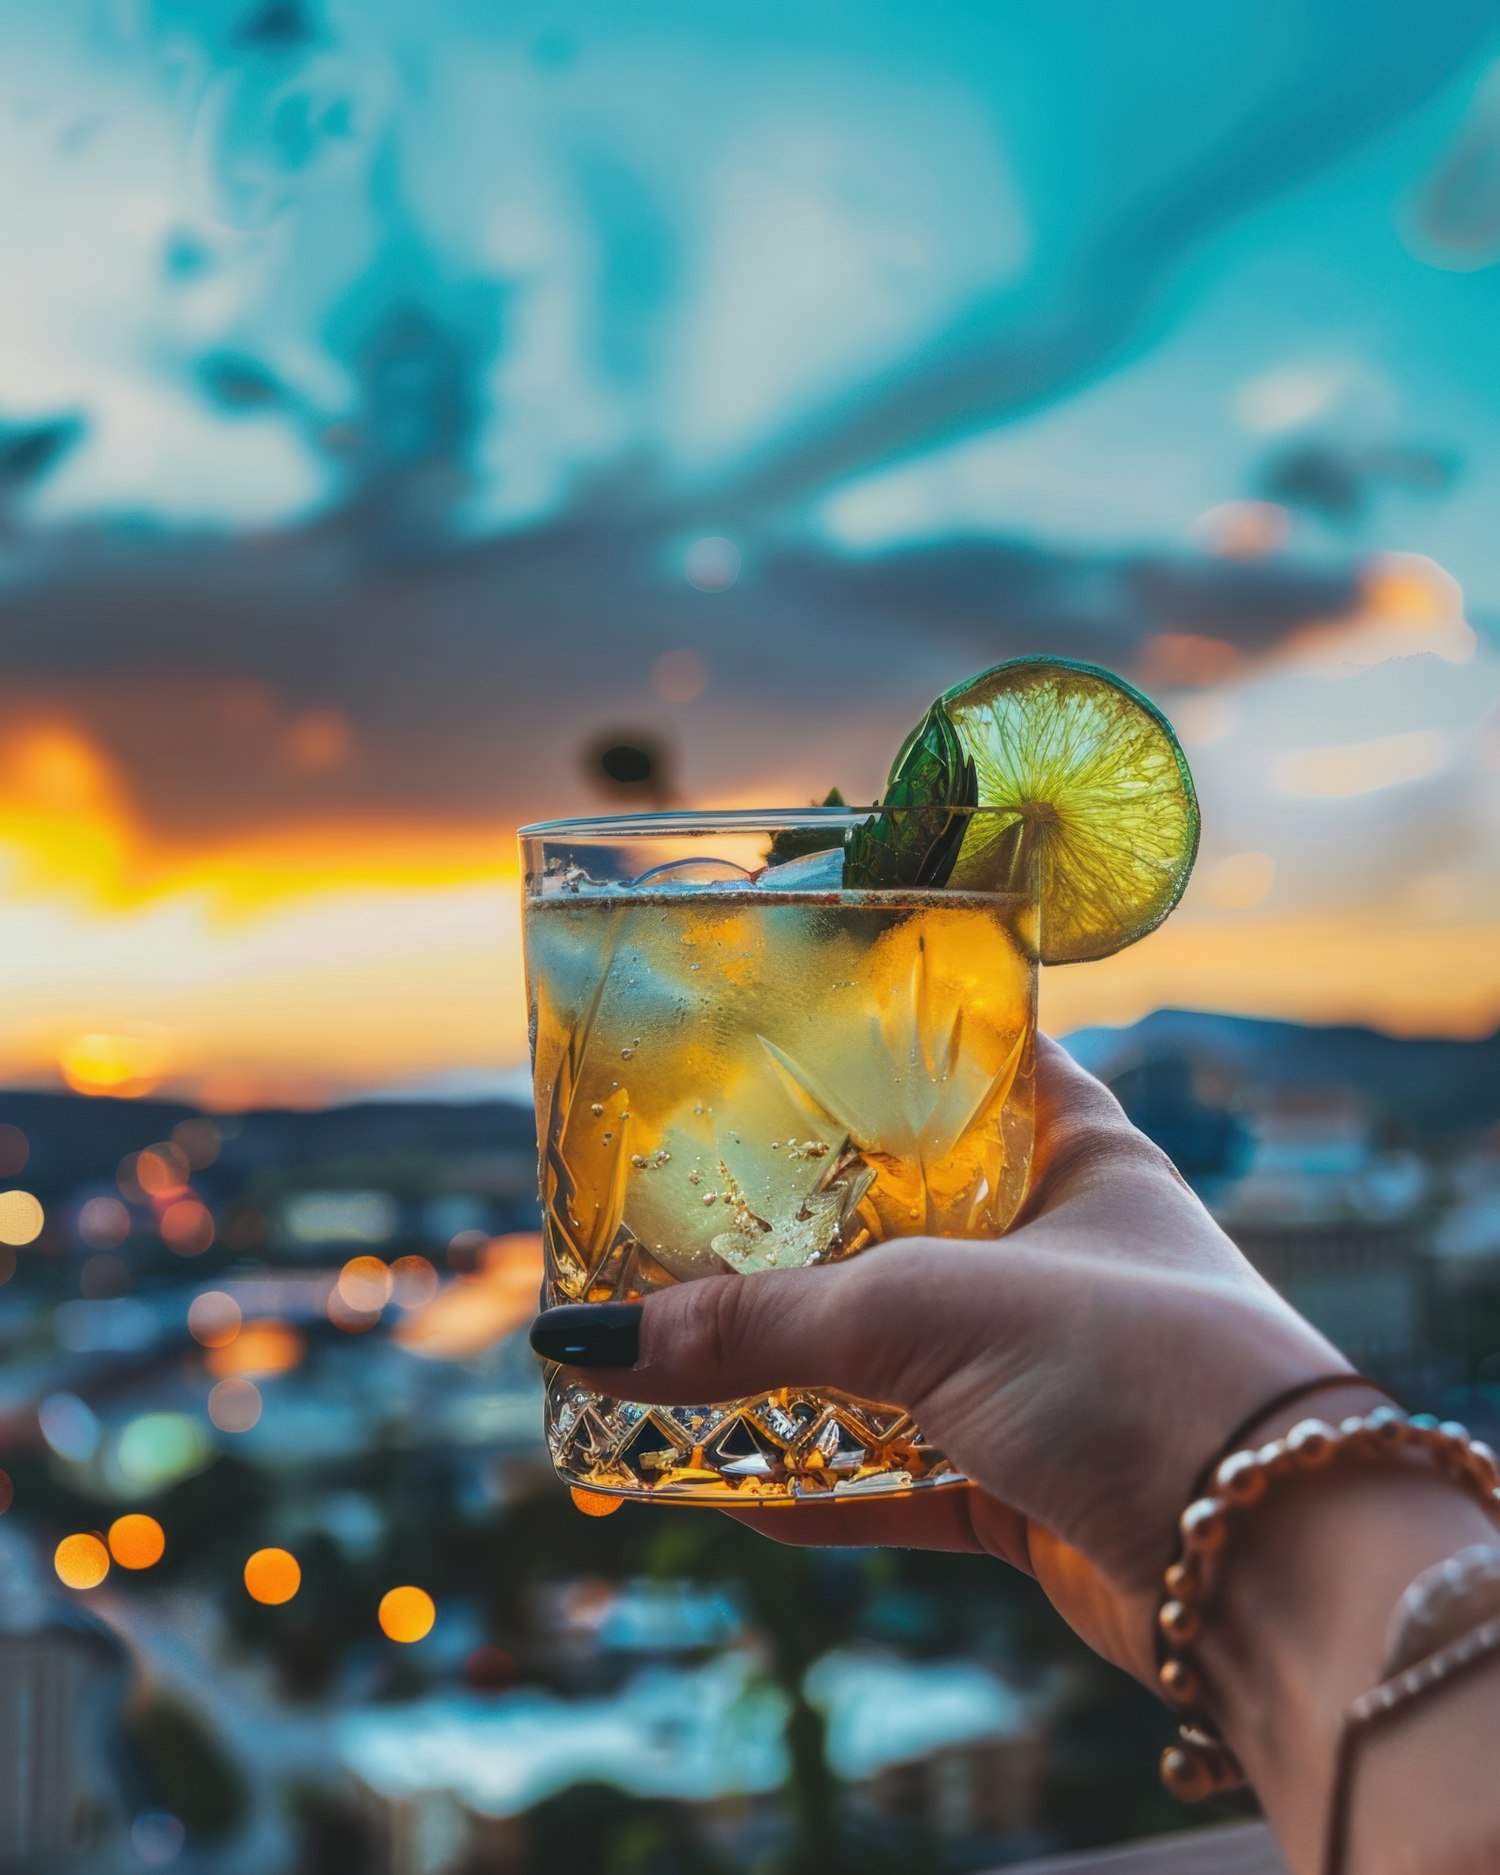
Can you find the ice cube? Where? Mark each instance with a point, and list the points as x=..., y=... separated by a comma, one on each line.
x=814, y=872
x=686, y=875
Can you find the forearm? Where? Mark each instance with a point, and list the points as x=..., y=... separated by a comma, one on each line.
x=1301, y=1631
x=1423, y=1796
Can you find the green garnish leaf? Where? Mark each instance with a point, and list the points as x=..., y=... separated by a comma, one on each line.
x=915, y=839
x=798, y=842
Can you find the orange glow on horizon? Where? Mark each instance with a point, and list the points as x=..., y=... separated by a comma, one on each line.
x=304, y=963
x=244, y=972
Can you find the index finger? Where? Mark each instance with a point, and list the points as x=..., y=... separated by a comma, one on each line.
x=1077, y=1122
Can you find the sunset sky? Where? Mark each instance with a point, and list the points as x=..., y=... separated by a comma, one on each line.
x=386, y=411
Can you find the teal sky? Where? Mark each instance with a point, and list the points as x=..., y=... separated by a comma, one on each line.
x=372, y=378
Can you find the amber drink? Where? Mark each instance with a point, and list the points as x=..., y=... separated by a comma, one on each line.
x=742, y=1067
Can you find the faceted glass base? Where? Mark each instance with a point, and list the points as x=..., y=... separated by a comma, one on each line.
x=790, y=1446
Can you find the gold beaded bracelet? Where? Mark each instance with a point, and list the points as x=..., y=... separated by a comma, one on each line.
x=1200, y=1764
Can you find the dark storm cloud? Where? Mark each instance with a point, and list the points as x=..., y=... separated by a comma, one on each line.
x=472, y=678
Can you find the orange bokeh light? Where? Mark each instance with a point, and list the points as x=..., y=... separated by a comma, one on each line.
x=137, y=1541
x=81, y=1561
x=351, y=1321
x=407, y=1614
x=263, y=1347
x=595, y=1503
x=187, y=1227
x=365, y=1285
x=273, y=1576
x=213, y=1318
x=161, y=1171
x=414, y=1282
x=480, y=1309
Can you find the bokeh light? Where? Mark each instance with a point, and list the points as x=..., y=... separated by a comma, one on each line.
x=158, y=1838
x=263, y=1347
x=407, y=1614
x=273, y=1576
x=351, y=1321
x=234, y=1405
x=414, y=1282
x=187, y=1227
x=464, y=1249
x=15, y=1150
x=594, y=1503
x=712, y=564
x=679, y=676
x=198, y=1140
x=213, y=1318
x=81, y=1561
x=103, y=1223
x=137, y=1541
x=21, y=1217
x=154, y=1450
x=162, y=1170
x=365, y=1285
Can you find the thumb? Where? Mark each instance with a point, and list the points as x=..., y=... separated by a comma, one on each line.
x=890, y=1324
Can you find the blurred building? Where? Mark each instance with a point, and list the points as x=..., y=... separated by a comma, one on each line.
x=945, y=1747
x=1338, y=1223
x=447, y=1782
x=1466, y=1240
x=63, y=1679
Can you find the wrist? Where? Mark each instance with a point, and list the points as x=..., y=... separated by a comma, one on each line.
x=1299, y=1624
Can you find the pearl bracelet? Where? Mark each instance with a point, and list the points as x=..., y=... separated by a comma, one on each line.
x=1200, y=1764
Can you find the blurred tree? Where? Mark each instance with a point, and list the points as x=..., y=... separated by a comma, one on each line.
x=598, y=1830
x=332, y=1837
x=186, y=1767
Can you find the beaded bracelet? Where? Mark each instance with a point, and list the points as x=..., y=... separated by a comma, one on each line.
x=1200, y=1764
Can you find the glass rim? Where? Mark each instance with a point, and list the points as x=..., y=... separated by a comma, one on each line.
x=658, y=821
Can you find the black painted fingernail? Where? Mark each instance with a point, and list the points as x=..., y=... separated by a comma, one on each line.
x=589, y=1334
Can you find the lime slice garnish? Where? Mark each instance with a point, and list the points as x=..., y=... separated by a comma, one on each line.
x=1104, y=804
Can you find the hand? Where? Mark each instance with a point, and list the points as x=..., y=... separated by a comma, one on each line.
x=1079, y=1371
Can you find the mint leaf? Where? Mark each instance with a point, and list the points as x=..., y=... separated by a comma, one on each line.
x=915, y=838
x=797, y=842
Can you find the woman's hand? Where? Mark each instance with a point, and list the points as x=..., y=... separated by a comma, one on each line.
x=1079, y=1371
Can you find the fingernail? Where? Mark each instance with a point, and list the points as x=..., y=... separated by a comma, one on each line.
x=589, y=1334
